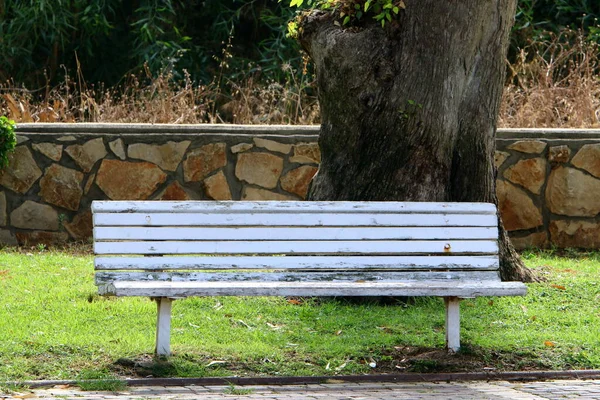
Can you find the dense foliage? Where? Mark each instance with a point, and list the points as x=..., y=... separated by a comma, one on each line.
x=103, y=40
x=8, y=140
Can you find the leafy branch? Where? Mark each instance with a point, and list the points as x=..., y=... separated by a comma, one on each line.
x=350, y=12
x=8, y=140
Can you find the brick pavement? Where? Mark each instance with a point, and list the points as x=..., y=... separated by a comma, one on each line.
x=476, y=390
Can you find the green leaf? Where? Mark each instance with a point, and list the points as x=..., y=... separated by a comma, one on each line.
x=396, y=10
x=359, y=15
x=346, y=20
x=367, y=5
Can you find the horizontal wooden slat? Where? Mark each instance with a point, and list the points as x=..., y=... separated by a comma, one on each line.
x=274, y=207
x=285, y=233
x=409, y=288
x=300, y=247
x=350, y=276
x=183, y=219
x=299, y=262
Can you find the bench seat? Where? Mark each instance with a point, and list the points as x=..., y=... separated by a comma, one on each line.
x=176, y=249
x=439, y=288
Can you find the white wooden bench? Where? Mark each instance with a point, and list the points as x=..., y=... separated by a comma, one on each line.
x=172, y=250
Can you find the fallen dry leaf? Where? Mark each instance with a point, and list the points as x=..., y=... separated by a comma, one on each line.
x=61, y=386
x=294, y=302
x=559, y=287
x=549, y=343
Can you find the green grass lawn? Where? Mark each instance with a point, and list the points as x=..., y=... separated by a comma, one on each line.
x=54, y=326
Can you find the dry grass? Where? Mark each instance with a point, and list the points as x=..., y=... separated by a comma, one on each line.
x=554, y=83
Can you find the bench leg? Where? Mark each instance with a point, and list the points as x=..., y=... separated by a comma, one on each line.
x=452, y=323
x=163, y=326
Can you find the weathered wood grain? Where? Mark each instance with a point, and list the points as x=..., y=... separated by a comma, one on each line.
x=339, y=289
x=334, y=262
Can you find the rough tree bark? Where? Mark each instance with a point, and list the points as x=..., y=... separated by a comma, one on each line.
x=409, y=111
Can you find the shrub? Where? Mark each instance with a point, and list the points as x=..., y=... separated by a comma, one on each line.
x=8, y=139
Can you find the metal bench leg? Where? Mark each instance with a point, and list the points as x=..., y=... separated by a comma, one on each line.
x=163, y=326
x=452, y=323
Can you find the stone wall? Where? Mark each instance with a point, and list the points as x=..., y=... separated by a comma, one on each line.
x=548, y=181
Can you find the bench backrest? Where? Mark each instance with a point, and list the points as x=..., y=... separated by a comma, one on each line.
x=293, y=240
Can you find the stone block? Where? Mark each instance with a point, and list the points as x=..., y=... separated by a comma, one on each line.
x=61, y=186
x=7, y=238
x=167, y=156
x=2, y=209
x=88, y=183
x=202, y=161
x=50, y=150
x=241, y=147
x=306, y=153
x=529, y=173
x=528, y=146
x=516, y=207
x=251, y=193
x=22, y=171
x=86, y=155
x=535, y=240
x=31, y=215
x=261, y=169
x=272, y=145
x=124, y=180
x=80, y=228
x=500, y=157
x=174, y=192
x=588, y=158
x=581, y=234
x=559, y=154
x=118, y=148
x=40, y=237
x=573, y=193
x=216, y=187
x=297, y=180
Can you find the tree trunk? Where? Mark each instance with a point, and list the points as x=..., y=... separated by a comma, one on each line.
x=409, y=111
